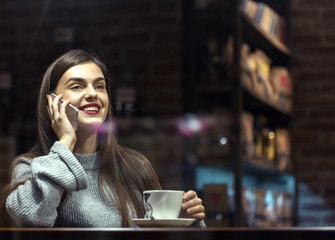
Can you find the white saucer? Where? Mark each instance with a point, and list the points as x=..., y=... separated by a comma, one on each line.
x=175, y=222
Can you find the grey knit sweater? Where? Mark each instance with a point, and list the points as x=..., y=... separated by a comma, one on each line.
x=37, y=203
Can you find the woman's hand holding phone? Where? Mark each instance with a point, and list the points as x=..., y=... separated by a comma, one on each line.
x=60, y=122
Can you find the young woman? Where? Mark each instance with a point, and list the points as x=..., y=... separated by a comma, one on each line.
x=81, y=178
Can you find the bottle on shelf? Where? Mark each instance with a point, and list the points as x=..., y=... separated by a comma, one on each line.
x=270, y=153
x=260, y=135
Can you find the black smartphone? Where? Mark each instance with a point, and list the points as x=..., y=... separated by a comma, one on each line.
x=71, y=112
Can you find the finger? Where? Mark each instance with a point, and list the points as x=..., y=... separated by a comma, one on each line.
x=199, y=216
x=189, y=195
x=191, y=203
x=192, y=200
x=199, y=209
x=55, y=105
x=63, y=105
x=49, y=108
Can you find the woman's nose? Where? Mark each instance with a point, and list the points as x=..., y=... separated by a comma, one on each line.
x=91, y=93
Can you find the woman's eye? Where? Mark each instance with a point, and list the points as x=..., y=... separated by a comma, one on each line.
x=75, y=87
x=100, y=87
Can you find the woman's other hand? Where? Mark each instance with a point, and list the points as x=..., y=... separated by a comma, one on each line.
x=60, y=122
x=192, y=206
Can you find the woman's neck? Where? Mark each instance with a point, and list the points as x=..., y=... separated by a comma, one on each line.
x=86, y=143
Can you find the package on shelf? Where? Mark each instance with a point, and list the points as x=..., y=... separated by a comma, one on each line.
x=272, y=84
x=264, y=143
x=283, y=149
x=246, y=80
x=247, y=135
x=271, y=218
x=269, y=146
x=255, y=72
x=249, y=207
x=263, y=86
x=252, y=65
x=249, y=7
x=255, y=207
x=270, y=211
x=283, y=209
x=265, y=17
x=266, y=208
x=248, y=71
x=281, y=80
x=216, y=200
x=260, y=202
x=281, y=30
x=279, y=205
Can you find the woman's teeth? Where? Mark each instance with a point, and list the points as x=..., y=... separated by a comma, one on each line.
x=91, y=109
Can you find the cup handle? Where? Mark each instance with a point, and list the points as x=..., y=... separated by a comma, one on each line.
x=148, y=211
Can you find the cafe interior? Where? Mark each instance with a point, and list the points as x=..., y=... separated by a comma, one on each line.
x=231, y=98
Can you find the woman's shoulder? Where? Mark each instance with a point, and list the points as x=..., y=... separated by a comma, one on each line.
x=21, y=167
x=28, y=156
x=24, y=158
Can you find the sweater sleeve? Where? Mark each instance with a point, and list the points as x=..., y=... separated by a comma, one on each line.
x=46, y=178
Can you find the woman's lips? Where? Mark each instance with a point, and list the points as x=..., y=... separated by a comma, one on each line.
x=90, y=108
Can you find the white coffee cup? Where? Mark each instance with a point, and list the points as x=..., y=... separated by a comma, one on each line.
x=162, y=204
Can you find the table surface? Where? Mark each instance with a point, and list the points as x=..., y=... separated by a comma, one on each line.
x=296, y=233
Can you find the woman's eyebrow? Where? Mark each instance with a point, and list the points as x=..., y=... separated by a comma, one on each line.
x=76, y=79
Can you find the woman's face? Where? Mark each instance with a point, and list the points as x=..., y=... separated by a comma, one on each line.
x=85, y=86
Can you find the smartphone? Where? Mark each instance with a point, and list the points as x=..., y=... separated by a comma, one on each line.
x=71, y=112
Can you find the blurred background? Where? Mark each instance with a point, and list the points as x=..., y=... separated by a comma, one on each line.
x=234, y=99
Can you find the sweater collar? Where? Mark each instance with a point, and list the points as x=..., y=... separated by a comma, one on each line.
x=89, y=161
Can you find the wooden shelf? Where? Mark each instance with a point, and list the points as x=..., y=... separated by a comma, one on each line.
x=223, y=21
x=262, y=166
x=256, y=34
x=268, y=102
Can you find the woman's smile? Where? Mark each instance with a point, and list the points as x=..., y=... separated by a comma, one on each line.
x=91, y=108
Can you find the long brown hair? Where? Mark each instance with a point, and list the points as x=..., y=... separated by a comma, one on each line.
x=123, y=174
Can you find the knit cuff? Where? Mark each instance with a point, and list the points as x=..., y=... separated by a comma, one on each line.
x=71, y=161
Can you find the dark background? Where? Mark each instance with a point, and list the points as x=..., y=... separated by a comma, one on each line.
x=142, y=41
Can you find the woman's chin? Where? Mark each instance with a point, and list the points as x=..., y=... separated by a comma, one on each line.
x=92, y=126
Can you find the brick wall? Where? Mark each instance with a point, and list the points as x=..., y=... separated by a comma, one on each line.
x=140, y=37
x=7, y=153
x=313, y=46
x=144, y=36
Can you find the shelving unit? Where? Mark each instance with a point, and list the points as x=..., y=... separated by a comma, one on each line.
x=222, y=20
